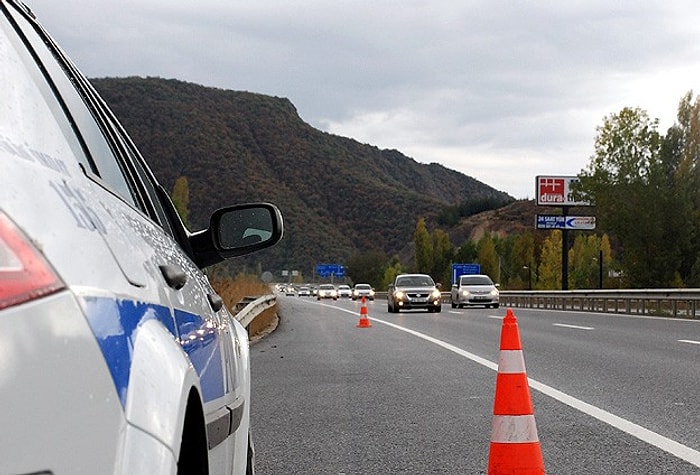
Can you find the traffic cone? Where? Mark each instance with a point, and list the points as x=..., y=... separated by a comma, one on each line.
x=515, y=447
x=364, y=320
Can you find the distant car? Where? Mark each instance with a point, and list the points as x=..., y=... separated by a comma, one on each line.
x=117, y=354
x=290, y=290
x=344, y=291
x=474, y=290
x=327, y=291
x=414, y=291
x=304, y=291
x=362, y=290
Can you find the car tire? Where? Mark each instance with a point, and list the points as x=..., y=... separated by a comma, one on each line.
x=454, y=305
x=438, y=309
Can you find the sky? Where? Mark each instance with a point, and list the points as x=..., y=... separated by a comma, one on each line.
x=501, y=91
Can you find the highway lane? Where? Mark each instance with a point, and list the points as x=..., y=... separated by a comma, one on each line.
x=332, y=398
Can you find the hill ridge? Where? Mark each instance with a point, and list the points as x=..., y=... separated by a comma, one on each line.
x=337, y=195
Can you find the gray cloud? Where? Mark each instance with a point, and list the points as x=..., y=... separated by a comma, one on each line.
x=501, y=91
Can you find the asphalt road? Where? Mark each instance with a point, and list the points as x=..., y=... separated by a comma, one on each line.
x=414, y=393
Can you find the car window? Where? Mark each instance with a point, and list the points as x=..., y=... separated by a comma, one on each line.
x=92, y=149
x=476, y=280
x=37, y=130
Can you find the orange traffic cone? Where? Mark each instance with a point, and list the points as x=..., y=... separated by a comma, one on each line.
x=364, y=320
x=515, y=447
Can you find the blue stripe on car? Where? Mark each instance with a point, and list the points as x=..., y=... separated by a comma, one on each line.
x=115, y=325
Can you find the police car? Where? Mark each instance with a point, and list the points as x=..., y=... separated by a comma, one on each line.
x=116, y=354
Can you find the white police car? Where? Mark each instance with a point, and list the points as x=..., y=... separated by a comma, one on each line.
x=116, y=355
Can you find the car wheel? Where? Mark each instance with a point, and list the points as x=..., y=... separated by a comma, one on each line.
x=454, y=305
x=495, y=305
x=438, y=309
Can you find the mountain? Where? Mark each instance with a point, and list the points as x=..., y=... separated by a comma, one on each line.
x=337, y=195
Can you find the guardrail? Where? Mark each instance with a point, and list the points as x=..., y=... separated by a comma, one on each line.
x=250, y=307
x=678, y=303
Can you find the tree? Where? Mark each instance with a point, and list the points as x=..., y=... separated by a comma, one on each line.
x=443, y=252
x=682, y=154
x=488, y=257
x=424, y=247
x=628, y=180
x=393, y=269
x=522, y=255
x=584, y=262
x=549, y=270
x=367, y=267
x=181, y=199
x=466, y=253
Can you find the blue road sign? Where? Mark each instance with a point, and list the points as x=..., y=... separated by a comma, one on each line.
x=464, y=269
x=327, y=270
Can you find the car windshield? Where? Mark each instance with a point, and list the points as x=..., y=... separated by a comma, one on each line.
x=476, y=280
x=362, y=287
x=327, y=287
x=415, y=281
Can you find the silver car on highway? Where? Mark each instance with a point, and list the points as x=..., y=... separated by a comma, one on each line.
x=116, y=354
x=475, y=290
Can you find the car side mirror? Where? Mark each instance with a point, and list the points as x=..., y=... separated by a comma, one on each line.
x=438, y=286
x=236, y=231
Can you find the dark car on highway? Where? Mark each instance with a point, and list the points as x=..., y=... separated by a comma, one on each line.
x=414, y=291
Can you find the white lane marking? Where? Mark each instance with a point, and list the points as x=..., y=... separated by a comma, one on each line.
x=690, y=341
x=575, y=327
x=496, y=317
x=657, y=440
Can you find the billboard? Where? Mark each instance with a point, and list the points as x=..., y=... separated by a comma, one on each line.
x=565, y=222
x=556, y=191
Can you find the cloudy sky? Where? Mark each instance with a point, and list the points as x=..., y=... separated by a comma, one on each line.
x=499, y=90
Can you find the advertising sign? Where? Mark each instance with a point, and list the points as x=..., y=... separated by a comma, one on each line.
x=556, y=191
x=565, y=222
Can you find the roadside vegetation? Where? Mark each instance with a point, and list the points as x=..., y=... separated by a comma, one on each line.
x=234, y=289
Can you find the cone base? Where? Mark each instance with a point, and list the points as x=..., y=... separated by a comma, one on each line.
x=516, y=459
x=364, y=323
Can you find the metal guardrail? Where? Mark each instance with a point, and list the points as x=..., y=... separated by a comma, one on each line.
x=677, y=303
x=250, y=307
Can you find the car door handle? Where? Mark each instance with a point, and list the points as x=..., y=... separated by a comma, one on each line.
x=174, y=276
x=215, y=301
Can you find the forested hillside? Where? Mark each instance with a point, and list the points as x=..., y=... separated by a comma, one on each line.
x=339, y=197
